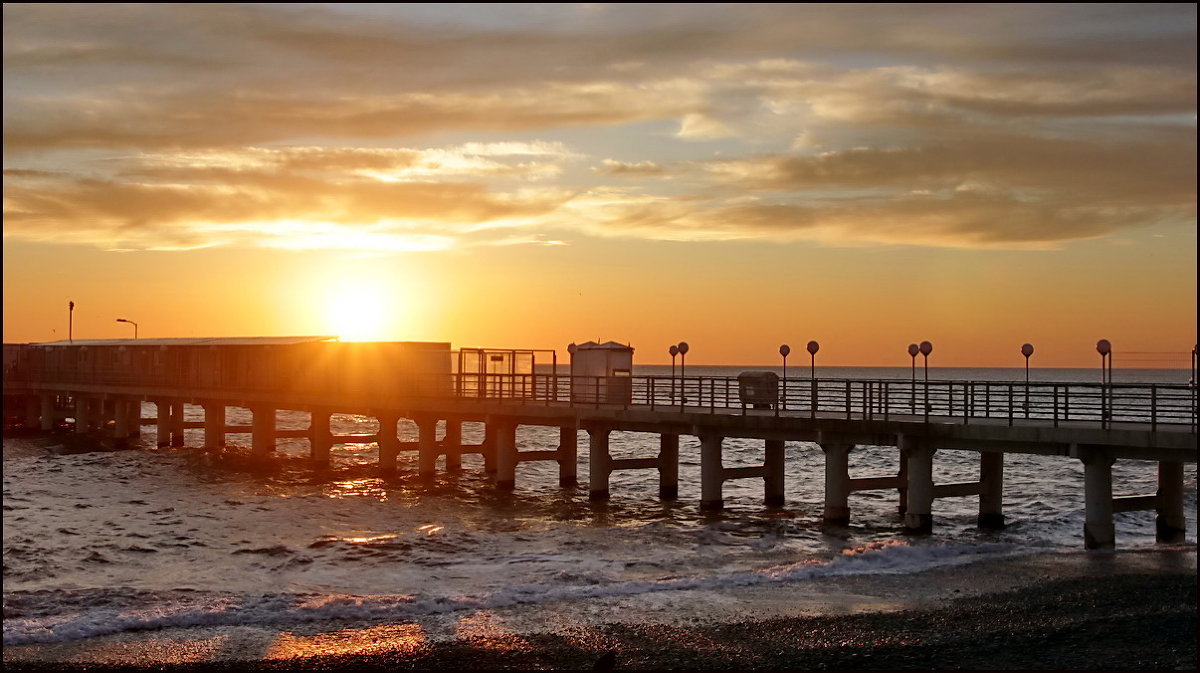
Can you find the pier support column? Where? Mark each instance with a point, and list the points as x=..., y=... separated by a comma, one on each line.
x=134, y=409
x=489, y=448
x=1169, y=524
x=837, y=483
x=668, y=466
x=82, y=413
x=568, y=456
x=262, y=428
x=121, y=422
x=214, y=425
x=33, y=409
x=711, y=472
x=177, y=424
x=506, y=455
x=427, y=448
x=320, y=439
x=162, y=418
x=452, y=444
x=389, y=441
x=991, y=498
x=1098, y=529
x=48, y=412
x=918, y=518
x=773, y=481
x=599, y=463
x=902, y=477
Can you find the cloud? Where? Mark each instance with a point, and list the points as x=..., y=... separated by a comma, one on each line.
x=397, y=128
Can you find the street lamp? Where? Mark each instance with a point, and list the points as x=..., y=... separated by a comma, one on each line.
x=784, y=350
x=683, y=350
x=1026, y=350
x=131, y=323
x=673, y=350
x=913, y=349
x=1104, y=348
x=71, y=321
x=926, y=348
x=813, y=347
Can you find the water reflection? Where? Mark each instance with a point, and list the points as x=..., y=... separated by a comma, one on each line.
x=405, y=638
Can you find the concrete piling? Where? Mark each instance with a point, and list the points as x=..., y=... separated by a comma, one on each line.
x=837, y=483
x=599, y=463
x=712, y=477
x=262, y=431
x=506, y=455
x=427, y=449
x=320, y=439
x=214, y=425
x=568, y=456
x=918, y=518
x=452, y=444
x=1169, y=524
x=1098, y=529
x=668, y=466
x=389, y=441
x=991, y=495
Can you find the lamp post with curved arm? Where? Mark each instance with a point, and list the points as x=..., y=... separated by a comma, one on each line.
x=135, y=326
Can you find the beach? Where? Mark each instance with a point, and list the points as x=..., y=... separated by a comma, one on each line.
x=1114, y=610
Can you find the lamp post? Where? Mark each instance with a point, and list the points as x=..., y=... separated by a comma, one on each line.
x=913, y=349
x=673, y=350
x=813, y=347
x=784, y=350
x=571, y=349
x=71, y=321
x=131, y=323
x=926, y=348
x=683, y=350
x=1104, y=348
x=1026, y=350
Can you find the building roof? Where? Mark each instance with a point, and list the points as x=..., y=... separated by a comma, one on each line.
x=193, y=341
x=607, y=345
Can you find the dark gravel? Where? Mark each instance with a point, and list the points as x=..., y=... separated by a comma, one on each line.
x=1126, y=621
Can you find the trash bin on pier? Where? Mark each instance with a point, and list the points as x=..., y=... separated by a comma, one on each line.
x=758, y=389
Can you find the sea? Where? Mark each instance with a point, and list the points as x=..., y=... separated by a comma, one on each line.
x=101, y=543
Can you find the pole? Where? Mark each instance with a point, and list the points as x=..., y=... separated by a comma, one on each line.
x=912, y=388
x=71, y=321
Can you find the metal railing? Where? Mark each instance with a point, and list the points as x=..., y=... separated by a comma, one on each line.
x=1011, y=402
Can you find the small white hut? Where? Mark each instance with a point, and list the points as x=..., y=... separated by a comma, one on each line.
x=601, y=372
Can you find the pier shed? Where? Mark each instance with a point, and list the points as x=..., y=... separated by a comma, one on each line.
x=601, y=372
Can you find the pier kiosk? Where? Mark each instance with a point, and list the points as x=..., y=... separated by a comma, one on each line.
x=601, y=373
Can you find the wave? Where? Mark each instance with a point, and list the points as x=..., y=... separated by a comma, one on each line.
x=47, y=616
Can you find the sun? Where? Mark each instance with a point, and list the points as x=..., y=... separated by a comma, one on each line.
x=360, y=312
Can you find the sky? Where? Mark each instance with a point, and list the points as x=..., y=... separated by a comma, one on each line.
x=527, y=176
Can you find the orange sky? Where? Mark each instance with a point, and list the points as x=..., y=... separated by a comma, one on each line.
x=528, y=176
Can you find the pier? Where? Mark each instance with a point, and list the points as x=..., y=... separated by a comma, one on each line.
x=100, y=385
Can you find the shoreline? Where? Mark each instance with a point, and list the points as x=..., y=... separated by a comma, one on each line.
x=1132, y=609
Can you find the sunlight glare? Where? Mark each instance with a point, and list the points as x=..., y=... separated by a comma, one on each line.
x=360, y=312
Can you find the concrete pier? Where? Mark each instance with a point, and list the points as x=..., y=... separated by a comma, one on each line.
x=506, y=453
x=320, y=439
x=1098, y=529
x=668, y=466
x=389, y=441
x=991, y=495
x=452, y=444
x=711, y=477
x=599, y=463
x=427, y=448
x=1153, y=422
x=837, y=483
x=1169, y=524
x=262, y=438
x=918, y=517
x=214, y=425
x=568, y=456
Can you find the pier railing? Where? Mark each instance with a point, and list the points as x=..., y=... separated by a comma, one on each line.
x=963, y=401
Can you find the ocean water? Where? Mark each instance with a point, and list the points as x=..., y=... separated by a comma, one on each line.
x=100, y=543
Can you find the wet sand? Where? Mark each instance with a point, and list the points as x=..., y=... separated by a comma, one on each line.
x=1125, y=610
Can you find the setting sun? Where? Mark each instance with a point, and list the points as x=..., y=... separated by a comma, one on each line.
x=360, y=312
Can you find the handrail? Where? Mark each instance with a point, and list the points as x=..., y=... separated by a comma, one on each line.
x=965, y=401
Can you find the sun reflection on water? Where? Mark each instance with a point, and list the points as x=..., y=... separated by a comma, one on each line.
x=407, y=638
x=371, y=487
